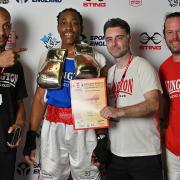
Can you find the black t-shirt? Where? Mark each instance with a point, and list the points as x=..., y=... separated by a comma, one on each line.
x=12, y=89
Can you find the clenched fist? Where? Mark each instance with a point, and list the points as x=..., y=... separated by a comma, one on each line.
x=8, y=57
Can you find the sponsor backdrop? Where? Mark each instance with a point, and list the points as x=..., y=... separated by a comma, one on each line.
x=34, y=26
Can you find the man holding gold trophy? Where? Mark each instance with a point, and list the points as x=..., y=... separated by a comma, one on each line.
x=63, y=149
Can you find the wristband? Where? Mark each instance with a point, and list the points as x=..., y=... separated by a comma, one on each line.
x=30, y=143
x=101, y=150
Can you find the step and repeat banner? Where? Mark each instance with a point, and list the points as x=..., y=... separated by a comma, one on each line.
x=34, y=26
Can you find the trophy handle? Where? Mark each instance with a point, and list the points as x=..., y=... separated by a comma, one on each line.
x=85, y=63
x=51, y=73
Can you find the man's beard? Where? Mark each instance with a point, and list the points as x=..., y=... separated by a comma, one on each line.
x=175, y=51
x=119, y=55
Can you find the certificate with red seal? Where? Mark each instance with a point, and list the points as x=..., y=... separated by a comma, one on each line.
x=88, y=97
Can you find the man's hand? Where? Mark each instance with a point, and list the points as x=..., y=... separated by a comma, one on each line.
x=30, y=147
x=30, y=159
x=8, y=57
x=110, y=112
x=11, y=129
x=94, y=161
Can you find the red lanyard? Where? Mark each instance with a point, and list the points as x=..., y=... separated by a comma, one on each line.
x=114, y=87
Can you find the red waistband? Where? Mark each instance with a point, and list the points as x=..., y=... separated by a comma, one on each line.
x=56, y=114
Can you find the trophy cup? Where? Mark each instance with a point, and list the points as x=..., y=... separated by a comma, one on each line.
x=86, y=66
x=51, y=73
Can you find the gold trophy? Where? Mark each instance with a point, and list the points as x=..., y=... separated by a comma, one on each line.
x=86, y=65
x=51, y=73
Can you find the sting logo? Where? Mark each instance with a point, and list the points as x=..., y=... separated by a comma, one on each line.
x=94, y=4
x=155, y=40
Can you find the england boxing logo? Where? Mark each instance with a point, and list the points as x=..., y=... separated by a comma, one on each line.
x=22, y=1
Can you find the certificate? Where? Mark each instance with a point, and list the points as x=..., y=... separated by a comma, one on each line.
x=88, y=97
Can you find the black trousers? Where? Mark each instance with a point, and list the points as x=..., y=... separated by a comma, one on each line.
x=134, y=168
x=7, y=165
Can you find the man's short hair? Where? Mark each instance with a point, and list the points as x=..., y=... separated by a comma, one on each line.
x=117, y=22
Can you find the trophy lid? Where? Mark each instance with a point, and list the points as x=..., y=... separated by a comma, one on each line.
x=56, y=54
x=83, y=48
x=86, y=66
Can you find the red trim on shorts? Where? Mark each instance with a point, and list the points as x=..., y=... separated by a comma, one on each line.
x=59, y=115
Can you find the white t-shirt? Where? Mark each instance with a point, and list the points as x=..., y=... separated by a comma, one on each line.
x=134, y=136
